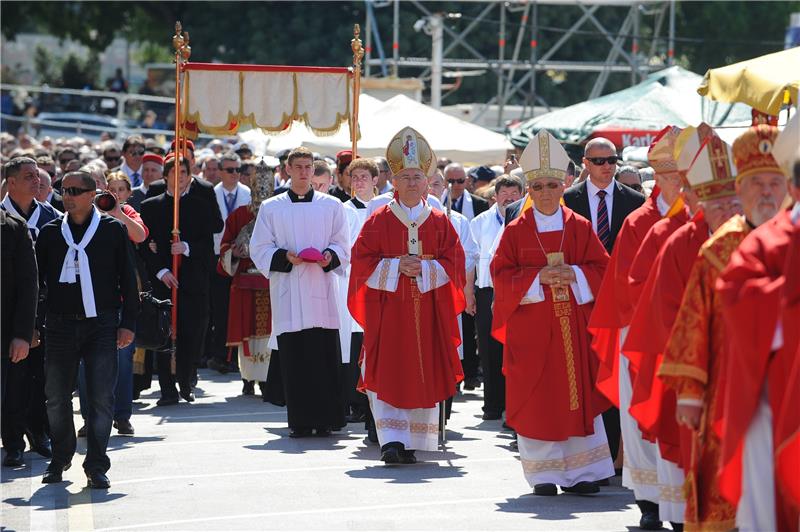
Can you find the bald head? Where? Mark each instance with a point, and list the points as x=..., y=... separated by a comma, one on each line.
x=599, y=147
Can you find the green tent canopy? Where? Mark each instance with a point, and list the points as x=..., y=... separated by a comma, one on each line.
x=633, y=116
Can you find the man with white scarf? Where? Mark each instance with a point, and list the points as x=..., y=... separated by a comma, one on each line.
x=87, y=269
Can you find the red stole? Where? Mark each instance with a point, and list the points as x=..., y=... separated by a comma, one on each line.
x=548, y=362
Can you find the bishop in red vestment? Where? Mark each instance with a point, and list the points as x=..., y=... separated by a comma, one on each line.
x=548, y=265
x=406, y=291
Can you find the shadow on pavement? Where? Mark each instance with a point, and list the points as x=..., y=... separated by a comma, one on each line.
x=420, y=473
x=558, y=508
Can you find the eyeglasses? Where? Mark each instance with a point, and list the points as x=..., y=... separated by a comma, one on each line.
x=136, y=153
x=600, y=161
x=538, y=187
x=232, y=170
x=112, y=158
x=460, y=181
x=75, y=191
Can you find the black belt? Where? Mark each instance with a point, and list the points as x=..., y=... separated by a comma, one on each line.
x=69, y=316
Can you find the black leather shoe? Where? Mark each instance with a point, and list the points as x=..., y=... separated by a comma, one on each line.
x=40, y=444
x=470, y=383
x=124, y=427
x=218, y=366
x=677, y=527
x=248, y=387
x=649, y=520
x=545, y=490
x=491, y=416
x=187, y=395
x=322, y=433
x=300, y=433
x=13, y=459
x=167, y=401
x=582, y=488
x=82, y=432
x=97, y=480
x=372, y=434
x=390, y=454
x=407, y=457
x=54, y=473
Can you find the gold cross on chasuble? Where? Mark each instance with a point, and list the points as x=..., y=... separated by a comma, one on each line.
x=560, y=293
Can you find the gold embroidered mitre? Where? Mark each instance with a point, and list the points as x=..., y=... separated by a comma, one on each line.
x=661, y=154
x=752, y=151
x=687, y=145
x=544, y=157
x=409, y=149
x=712, y=174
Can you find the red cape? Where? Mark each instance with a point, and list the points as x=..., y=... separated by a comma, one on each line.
x=410, y=351
x=549, y=366
x=653, y=404
x=751, y=288
x=613, y=308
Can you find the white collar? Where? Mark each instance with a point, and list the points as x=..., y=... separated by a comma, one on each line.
x=32, y=221
x=128, y=170
x=412, y=212
x=551, y=222
x=663, y=206
x=593, y=189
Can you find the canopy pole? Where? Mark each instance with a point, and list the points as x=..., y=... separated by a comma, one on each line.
x=180, y=41
x=358, y=55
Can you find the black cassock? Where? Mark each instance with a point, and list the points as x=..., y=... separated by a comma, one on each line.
x=199, y=220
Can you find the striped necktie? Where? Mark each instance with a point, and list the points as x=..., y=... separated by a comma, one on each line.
x=603, y=230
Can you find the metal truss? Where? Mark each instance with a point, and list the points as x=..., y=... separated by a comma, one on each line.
x=517, y=73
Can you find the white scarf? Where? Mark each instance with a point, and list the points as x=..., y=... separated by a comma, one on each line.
x=32, y=221
x=68, y=268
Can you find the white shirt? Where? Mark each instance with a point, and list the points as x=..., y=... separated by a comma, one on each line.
x=466, y=203
x=580, y=287
x=135, y=182
x=594, y=201
x=305, y=297
x=242, y=193
x=485, y=228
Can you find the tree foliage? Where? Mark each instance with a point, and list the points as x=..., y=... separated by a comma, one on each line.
x=709, y=34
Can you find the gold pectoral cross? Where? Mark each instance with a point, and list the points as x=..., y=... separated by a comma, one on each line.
x=560, y=293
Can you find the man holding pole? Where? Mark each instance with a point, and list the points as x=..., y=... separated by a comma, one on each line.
x=199, y=219
x=406, y=291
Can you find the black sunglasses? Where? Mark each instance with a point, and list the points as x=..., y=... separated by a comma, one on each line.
x=460, y=181
x=600, y=161
x=232, y=170
x=75, y=191
x=538, y=187
x=138, y=152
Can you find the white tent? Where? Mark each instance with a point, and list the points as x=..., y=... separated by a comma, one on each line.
x=449, y=136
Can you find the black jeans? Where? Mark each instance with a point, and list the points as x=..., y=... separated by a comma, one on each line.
x=94, y=340
x=491, y=352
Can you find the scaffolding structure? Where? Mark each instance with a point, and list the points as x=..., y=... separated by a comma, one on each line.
x=517, y=71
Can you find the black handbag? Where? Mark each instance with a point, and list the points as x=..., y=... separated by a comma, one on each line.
x=154, y=325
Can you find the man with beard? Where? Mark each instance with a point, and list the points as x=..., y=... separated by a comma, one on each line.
x=698, y=347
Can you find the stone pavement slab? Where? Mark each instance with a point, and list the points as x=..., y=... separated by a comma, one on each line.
x=226, y=463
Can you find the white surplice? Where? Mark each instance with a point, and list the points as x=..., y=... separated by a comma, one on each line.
x=306, y=297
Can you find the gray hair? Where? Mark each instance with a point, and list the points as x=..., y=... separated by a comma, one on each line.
x=229, y=156
x=647, y=174
x=628, y=169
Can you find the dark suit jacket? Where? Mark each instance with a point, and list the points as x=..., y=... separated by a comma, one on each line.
x=479, y=204
x=136, y=198
x=199, y=220
x=160, y=186
x=626, y=200
x=20, y=281
x=57, y=201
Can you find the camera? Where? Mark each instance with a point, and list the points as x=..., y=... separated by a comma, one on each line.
x=105, y=201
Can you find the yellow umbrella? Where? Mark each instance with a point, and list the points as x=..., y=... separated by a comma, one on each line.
x=764, y=83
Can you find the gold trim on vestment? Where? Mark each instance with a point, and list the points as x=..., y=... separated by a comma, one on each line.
x=563, y=312
x=384, y=275
x=568, y=463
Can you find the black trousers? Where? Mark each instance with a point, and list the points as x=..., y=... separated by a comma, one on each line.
x=310, y=367
x=354, y=400
x=36, y=421
x=613, y=430
x=470, y=362
x=192, y=323
x=15, y=396
x=216, y=335
x=491, y=354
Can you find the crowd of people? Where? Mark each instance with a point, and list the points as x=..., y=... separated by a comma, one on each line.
x=634, y=319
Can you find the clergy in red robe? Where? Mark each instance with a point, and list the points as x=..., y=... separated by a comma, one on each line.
x=548, y=265
x=249, y=315
x=406, y=292
x=652, y=404
x=615, y=306
x=761, y=356
x=698, y=347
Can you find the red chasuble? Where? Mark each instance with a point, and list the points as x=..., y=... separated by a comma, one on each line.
x=613, y=304
x=752, y=287
x=549, y=366
x=249, y=313
x=787, y=422
x=653, y=404
x=410, y=339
